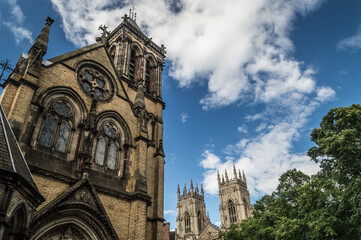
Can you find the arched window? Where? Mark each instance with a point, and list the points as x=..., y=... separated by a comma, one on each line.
x=112, y=54
x=107, y=149
x=56, y=126
x=187, y=222
x=232, y=212
x=17, y=223
x=150, y=75
x=245, y=208
x=147, y=76
x=132, y=65
x=199, y=218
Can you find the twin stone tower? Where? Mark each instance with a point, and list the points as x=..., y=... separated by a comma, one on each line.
x=235, y=205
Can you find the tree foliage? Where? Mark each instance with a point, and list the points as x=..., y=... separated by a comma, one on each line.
x=324, y=206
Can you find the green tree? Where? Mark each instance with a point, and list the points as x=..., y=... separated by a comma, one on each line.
x=326, y=206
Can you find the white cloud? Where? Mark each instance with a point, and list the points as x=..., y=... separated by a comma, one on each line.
x=352, y=43
x=210, y=160
x=242, y=50
x=16, y=23
x=242, y=129
x=325, y=94
x=170, y=212
x=20, y=33
x=184, y=117
x=253, y=117
x=261, y=127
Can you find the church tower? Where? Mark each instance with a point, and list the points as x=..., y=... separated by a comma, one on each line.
x=191, y=213
x=89, y=123
x=235, y=202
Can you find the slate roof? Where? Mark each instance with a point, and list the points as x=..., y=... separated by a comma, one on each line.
x=11, y=157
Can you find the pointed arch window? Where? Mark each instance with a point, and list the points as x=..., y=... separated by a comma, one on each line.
x=245, y=208
x=232, y=212
x=132, y=65
x=57, y=126
x=150, y=75
x=107, y=149
x=187, y=222
x=199, y=218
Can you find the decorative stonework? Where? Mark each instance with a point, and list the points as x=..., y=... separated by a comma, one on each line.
x=95, y=82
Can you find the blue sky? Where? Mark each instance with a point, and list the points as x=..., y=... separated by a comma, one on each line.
x=245, y=82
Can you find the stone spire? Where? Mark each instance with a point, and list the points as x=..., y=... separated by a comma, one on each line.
x=222, y=179
x=192, y=187
x=185, y=190
x=178, y=191
x=197, y=190
x=202, y=192
x=41, y=42
x=234, y=173
x=226, y=175
x=244, y=177
x=32, y=63
x=239, y=175
x=218, y=178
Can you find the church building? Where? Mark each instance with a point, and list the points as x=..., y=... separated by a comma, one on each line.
x=235, y=206
x=81, y=140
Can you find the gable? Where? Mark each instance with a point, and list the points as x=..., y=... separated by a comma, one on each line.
x=81, y=204
x=96, y=53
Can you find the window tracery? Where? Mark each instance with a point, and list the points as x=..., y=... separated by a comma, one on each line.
x=107, y=149
x=232, y=212
x=187, y=222
x=94, y=82
x=57, y=126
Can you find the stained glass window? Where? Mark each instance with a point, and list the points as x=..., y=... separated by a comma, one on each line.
x=110, y=130
x=62, y=108
x=48, y=130
x=62, y=136
x=112, y=155
x=187, y=222
x=95, y=83
x=100, y=152
x=232, y=212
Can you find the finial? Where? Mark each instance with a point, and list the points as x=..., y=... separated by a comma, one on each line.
x=234, y=173
x=135, y=17
x=239, y=175
x=202, y=192
x=178, y=191
x=191, y=187
x=227, y=180
x=197, y=190
x=218, y=178
x=244, y=177
x=222, y=179
x=184, y=190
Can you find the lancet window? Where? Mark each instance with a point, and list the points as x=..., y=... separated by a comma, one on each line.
x=132, y=65
x=107, y=149
x=199, y=218
x=232, y=212
x=57, y=126
x=187, y=222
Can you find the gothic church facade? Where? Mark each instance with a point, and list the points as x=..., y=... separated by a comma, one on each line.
x=235, y=206
x=89, y=123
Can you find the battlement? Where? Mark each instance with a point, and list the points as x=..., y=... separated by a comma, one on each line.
x=239, y=178
x=191, y=192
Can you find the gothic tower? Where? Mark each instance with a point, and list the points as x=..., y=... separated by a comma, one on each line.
x=191, y=213
x=235, y=203
x=90, y=125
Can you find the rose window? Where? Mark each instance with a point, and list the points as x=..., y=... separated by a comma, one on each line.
x=94, y=83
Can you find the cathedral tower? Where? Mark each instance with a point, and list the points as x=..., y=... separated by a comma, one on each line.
x=90, y=125
x=235, y=202
x=191, y=213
